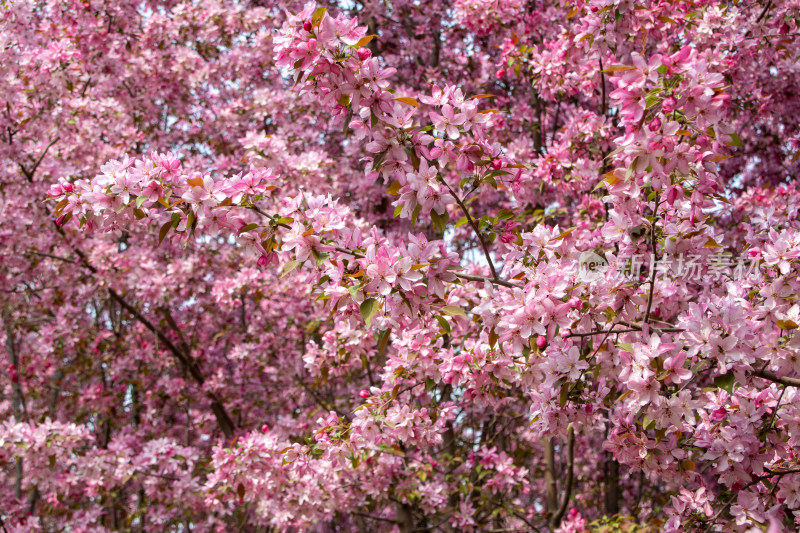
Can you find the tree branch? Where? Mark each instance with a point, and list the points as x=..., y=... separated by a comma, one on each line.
x=474, y=227
x=29, y=173
x=556, y=519
x=223, y=420
x=771, y=376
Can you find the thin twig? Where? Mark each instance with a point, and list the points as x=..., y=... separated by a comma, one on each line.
x=474, y=227
x=653, y=265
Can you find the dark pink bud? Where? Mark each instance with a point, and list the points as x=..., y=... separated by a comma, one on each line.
x=67, y=186
x=307, y=26
x=500, y=73
x=364, y=394
x=496, y=164
x=54, y=190
x=263, y=261
x=364, y=53
x=264, y=428
x=655, y=124
x=60, y=220
x=668, y=105
x=541, y=341
x=755, y=251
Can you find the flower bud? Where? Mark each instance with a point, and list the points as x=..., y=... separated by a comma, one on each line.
x=668, y=105
x=307, y=26
x=364, y=394
x=655, y=124
x=54, y=190
x=541, y=341
x=496, y=164
x=364, y=53
x=500, y=73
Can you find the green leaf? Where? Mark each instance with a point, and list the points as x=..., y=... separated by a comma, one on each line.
x=163, y=231
x=319, y=257
x=725, y=382
x=317, y=16
x=368, y=309
x=412, y=153
x=248, y=227
x=440, y=220
x=652, y=99
x=625, y=346
x=461, y=221
x=191, y=220
x=377, y=162
x=383, y=340
x=735, y=140
x=288, y=268
x=415, y=214
x=443, y=323
x=453, y=310
x=140, y=200
x=353, y=290
x=629, y=171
